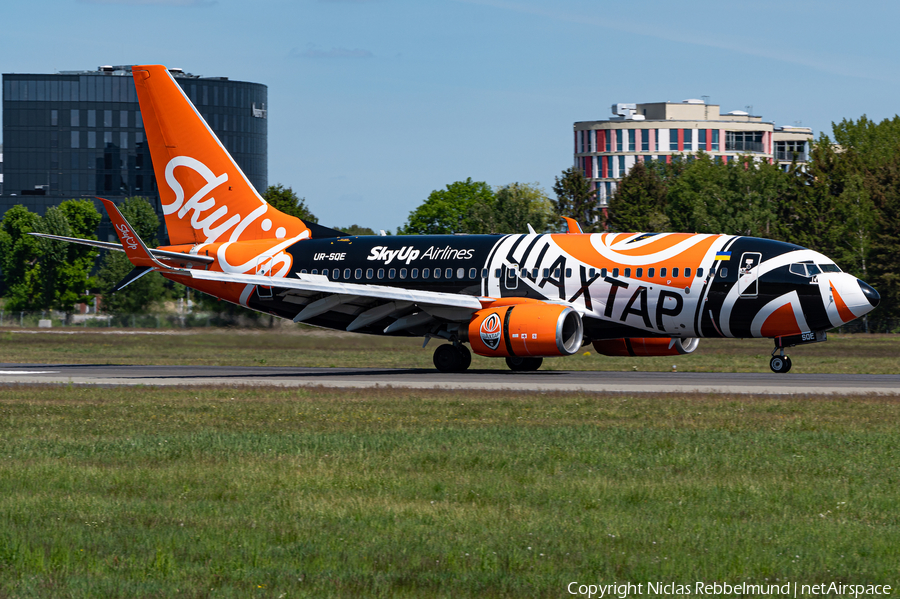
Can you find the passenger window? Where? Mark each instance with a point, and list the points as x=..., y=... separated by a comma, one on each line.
x=402, y=273
x=687, y=272
x=662, y=272
x=448, y=273
x=591, y=273
x=603, y=272
x=472, y=273
x=315, y=271
x=336, y=275
x=546, y=273
x=675, y=273
x=723, y=272
x=437, y=273
x=370, y=273
x=380, y=273
x=615, y=272
x=392, y=273
x=303, y=271
x=568, y=272
x=415, y=273
x=497, y=273
x=425, y=273
x=358, y=273
x=651, y=272
x=484, y=273
x=556, y=273
x=699, y=272
x=627, y=272
x=346, y=273
x=640, y=273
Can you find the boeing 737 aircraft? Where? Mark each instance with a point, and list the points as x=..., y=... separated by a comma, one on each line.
x=522, y=297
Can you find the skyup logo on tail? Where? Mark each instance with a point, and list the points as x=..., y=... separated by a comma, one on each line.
x=198, y=202
x=490, y=331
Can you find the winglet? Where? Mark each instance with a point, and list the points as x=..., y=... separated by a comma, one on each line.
x=134, y=248
x=574, y=227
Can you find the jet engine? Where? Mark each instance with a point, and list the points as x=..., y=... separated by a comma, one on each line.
x=530, y=328
x=646, y=346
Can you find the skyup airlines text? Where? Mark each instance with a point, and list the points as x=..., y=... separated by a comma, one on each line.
x=407, y=254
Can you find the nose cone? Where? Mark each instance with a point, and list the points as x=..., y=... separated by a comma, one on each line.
x=870, y=293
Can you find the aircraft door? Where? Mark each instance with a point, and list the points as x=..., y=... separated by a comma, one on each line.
x=748, y=274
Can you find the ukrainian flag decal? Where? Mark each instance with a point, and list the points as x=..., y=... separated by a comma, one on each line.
x=723, y=255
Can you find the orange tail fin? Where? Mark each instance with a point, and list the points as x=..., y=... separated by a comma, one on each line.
x=205, y=195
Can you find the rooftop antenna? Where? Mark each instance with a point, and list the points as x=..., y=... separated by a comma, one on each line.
x=749, y=108
x=705, y=99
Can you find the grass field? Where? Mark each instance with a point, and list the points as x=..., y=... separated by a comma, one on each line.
x=304, y=346
x=266, y=492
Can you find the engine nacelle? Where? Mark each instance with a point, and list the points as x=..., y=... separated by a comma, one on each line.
x=531, y=328
x=646, y=346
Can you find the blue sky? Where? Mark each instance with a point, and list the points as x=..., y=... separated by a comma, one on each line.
x=375, y=103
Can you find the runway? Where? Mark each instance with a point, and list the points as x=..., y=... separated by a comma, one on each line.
x=629, y=382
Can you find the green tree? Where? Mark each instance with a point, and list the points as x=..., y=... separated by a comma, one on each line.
x=576, y=199
x=48, y=274
x=19, y=251
x=356, y=230
x=446, y=210
x=286, y=200
x=513, y=208
x=639, y=203
x=151, y=288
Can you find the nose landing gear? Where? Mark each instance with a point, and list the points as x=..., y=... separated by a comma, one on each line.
x=781, y=363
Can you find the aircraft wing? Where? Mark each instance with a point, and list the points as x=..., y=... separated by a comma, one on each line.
x=315, y=295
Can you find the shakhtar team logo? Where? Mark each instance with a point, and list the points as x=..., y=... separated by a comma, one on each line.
x=490, y=331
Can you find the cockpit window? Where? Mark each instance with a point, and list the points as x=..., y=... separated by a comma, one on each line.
x=800, y=269
x=829, y=268
x=812, y=269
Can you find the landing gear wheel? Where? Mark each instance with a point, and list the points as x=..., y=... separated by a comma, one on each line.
x=780, y=364
x=524, y=364
x=450, y=358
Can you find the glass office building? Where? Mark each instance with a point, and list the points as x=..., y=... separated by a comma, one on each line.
x=80, y=134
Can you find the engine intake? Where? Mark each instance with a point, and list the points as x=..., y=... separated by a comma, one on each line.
x=646, y=346
x=533, y=328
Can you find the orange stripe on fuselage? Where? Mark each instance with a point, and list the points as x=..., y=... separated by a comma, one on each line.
x=843, y=311
x=782, y=321
x=581, y=248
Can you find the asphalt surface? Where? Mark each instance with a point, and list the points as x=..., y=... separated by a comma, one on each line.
x=654, y=382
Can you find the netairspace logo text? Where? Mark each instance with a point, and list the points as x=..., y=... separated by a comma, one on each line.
x=719, y=589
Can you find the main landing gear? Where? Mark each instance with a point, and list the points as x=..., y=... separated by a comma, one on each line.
x=452, y=358
x=524, y=364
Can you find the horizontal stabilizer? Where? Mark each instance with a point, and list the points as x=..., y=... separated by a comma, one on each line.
x=117, y=247
x=136, y=273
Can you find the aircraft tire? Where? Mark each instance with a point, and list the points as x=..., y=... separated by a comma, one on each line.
x=518, y=364
x=466, y=355
x=780, y=364
x=448, y=358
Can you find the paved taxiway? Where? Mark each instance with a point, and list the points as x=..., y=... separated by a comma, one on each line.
x=431, y=379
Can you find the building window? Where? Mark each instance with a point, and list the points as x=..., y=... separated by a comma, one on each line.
x=701, y=139
x=743, y=141
x=645, y=140
x=54, y=118
x=123, y=118
x=607, y=136
x=715, y=140
x=621, y=167
x=631, y=140
x=619, y=136
x=73, y=117
x=688, y=140
x=673, y=140
x=786, y=151
x=75, y=140
x=92, y=139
